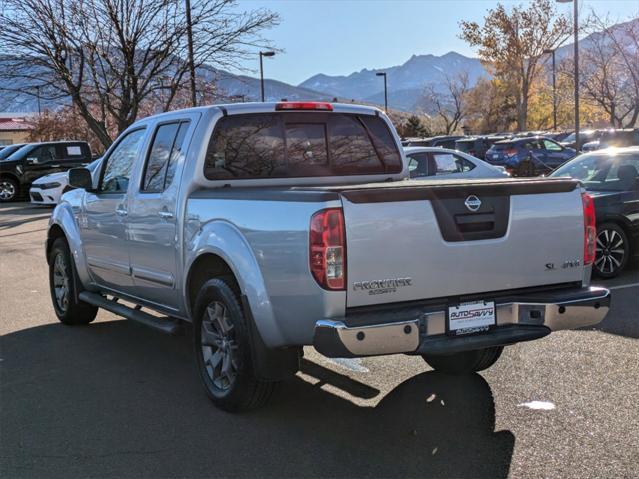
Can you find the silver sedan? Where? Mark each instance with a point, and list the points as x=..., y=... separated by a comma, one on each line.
x=435, y=162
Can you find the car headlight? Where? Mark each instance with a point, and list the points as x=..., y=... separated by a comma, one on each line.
x=48, y=186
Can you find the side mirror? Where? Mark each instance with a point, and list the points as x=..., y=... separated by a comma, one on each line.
x=80, y=178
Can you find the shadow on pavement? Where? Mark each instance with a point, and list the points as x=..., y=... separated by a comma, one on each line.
x=115, y=399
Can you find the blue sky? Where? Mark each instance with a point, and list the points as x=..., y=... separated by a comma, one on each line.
x=338, y=37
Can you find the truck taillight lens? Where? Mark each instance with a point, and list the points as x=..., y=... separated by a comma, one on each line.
x=327, y=252
x=590, y=230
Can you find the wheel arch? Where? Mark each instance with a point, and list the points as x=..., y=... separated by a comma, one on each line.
x=63, y=224
x=219, y=248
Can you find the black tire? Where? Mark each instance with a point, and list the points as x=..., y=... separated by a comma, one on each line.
x=465, y=362
x=613, y=250
x=9, y=189
x=226, y=346
x=63, y=281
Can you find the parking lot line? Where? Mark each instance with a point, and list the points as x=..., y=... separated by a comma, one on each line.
x=622, y=286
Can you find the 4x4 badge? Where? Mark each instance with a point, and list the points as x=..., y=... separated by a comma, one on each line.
x=472, y=203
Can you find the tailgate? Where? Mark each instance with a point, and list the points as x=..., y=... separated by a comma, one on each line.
x=421, y=240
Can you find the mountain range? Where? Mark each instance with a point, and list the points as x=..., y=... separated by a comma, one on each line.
x=406, y=82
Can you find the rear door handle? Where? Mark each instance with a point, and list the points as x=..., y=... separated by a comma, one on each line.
x=165, y=214
x=120, y=211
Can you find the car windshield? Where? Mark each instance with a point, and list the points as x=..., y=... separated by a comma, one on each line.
x=603, y=171
x=16, y=154
x=6, y=152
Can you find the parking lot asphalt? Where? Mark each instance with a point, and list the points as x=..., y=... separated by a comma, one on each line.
x=115, y=399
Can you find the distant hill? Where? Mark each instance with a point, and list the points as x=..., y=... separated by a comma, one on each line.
x=406, y=82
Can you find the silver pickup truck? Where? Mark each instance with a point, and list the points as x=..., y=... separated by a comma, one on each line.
x=278, y=225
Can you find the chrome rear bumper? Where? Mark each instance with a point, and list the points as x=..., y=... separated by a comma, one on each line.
x=416, y=330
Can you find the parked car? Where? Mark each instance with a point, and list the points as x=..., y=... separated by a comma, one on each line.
x=34, y=160
x=528, y=156
x=442, y=163
x=443, y=141
x=619, y=138
x=558, y=136
x=48, y=189
x=477, y=146
x=611, y=177
x=271, y=226
x=585, y=136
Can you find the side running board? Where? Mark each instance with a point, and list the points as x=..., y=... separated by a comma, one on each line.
x=166, y=325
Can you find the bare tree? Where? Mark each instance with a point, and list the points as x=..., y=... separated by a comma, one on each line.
x=512, y=44
x=450, y=105
x=611, y=70
x=109, y=56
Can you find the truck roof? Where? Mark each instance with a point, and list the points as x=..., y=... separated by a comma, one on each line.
x=269, y=107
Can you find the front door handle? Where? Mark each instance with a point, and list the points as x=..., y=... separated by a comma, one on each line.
x=165, y=214
x=120, y=211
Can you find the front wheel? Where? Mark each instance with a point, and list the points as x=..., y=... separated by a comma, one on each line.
x=223, y=351
x=613, y=250
x=62, y=284
x=8, y=189
x=465, y=362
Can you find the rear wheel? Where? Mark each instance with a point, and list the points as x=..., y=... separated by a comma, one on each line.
x=62, y=284
x=8, y=189
x=613, y=250
x=465, y=362
x=223, y=351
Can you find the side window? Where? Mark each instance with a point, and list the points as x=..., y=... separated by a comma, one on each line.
x=418, y=165
x=551, y=146
x=116, y=173
x=164, y=154
x=448, y=163
x=43, y=153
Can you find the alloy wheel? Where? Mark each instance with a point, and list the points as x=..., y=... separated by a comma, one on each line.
x=7, y=190
x=219, y=348
x=610, y=251
x=60, y=283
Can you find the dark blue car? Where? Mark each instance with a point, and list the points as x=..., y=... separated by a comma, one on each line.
x=530, y=156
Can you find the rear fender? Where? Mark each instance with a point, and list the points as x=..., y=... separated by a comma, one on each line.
x=223, y=239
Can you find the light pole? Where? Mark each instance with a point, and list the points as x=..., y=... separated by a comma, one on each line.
x=38, y=92
x=189, y=34
x=554, y=91
x=383, y=74
x=576, y=42
x=263, y=54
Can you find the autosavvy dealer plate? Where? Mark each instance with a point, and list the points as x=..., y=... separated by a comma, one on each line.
x=471, y=317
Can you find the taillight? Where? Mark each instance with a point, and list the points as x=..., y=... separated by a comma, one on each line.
x=304, y=105
x=590, y=230
x=327, y=252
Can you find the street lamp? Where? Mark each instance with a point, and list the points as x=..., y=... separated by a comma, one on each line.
x=576, y=41
x=189, y=37
x=383, y=74
x=263, y=54
x=554, y=91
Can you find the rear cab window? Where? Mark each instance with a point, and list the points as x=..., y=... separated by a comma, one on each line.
x=296, y=144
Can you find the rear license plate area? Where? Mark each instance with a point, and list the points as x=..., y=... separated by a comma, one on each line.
x=470, y=317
